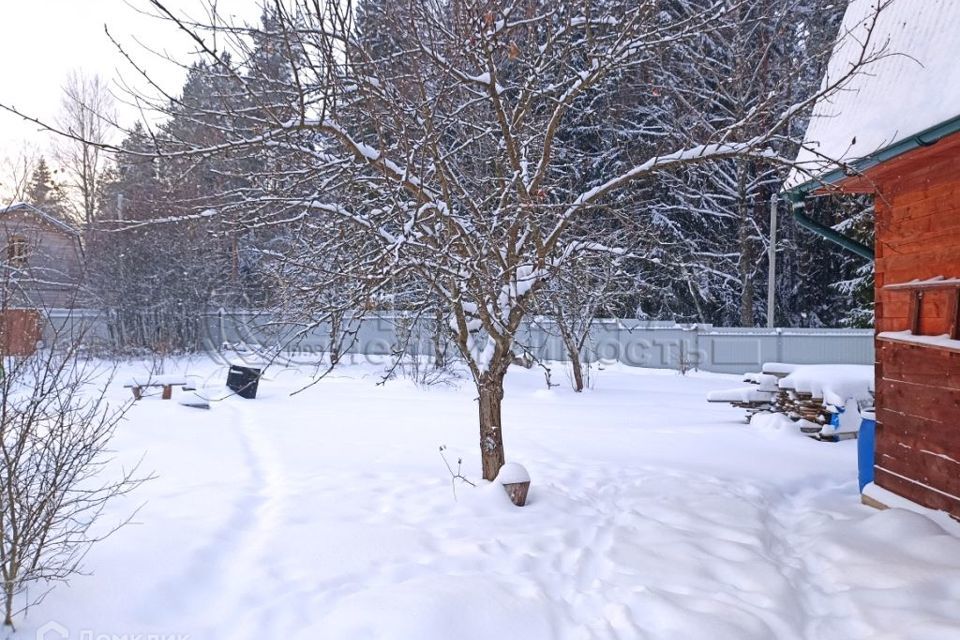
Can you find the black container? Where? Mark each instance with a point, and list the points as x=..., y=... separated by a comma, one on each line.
x=244, y=381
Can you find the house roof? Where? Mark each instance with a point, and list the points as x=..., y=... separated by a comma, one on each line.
x=40, y=213
x=908, y=97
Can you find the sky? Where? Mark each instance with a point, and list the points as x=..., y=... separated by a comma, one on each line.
x=42, y=41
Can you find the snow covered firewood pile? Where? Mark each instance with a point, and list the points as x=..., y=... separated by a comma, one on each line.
x=760, y=395
x=826, y=401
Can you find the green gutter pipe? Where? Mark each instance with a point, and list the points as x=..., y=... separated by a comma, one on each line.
x=797, y=202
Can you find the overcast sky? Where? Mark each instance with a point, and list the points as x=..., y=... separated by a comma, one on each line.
x=41, y=41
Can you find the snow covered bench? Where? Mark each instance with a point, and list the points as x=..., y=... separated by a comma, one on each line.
x=137, y=385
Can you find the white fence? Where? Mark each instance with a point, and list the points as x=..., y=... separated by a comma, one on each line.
x=630, y=342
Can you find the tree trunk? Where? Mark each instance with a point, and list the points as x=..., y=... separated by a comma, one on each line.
x=746, y=301
x=490, y=387
x=8, y=596
x=439, y=349
x=334, y=339
x=746, y=263
x=577, y=367
x=573, y=352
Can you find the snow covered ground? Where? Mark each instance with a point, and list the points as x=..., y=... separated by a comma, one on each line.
x=329, y=515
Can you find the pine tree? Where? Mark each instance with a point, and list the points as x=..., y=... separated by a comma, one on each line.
x=44, y=191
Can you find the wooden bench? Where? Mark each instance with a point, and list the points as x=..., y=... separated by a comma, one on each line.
x=166, y=382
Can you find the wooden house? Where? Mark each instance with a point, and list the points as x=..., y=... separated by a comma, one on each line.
x=894, y=133
x=42, y=259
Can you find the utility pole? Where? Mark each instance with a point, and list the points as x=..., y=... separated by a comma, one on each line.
x=772, y=261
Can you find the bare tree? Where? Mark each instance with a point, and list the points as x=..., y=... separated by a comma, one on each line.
x=588, y=287
x=87, y=115
x=15, y=174
x=56, y=473
x=438, y=164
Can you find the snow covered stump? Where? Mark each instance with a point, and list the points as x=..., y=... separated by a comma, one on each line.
x=515, y=481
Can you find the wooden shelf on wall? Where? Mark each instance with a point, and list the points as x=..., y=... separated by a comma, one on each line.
x=917, y=290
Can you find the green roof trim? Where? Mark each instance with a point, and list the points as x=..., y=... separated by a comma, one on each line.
x=923, y=139
x=798, y=194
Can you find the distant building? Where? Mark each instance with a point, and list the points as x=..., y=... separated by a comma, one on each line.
x=896, y=132
x=42, y=259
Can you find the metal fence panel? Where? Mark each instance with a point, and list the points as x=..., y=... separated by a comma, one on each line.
x=627, y=341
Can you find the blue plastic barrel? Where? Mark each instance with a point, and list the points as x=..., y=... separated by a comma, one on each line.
x=865, y=447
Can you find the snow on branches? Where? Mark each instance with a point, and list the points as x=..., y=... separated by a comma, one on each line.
x=425, y=153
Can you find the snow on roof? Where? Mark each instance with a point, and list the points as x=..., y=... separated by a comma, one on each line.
x=40, y=213
x=913, y=86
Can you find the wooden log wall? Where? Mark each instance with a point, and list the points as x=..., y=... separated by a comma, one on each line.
x=918, y=386
x=918, y=233
x=918, y=424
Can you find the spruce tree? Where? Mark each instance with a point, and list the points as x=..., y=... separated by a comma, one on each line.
x=43, y=190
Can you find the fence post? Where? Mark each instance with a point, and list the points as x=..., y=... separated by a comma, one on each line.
x=220, y=329
x=696, y=347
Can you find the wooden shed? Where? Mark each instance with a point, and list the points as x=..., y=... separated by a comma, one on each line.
x=895, y=134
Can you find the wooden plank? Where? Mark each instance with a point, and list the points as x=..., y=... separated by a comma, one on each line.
x=932, y=261
x=920, y=221
x=915, y=431
x=872, y=502
x=918, y=266
x=918, y=364
x=917, y=493
x=914, y=201
x=900, y=425
x=906, y=243
x=920, y=177
x=930, y=378
x=906, y=357
x=925, y=285
x=920, y=447
x=934, y=480
x=935, y=403
x=890, y=451
x=937, y=472
x=929, y=326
